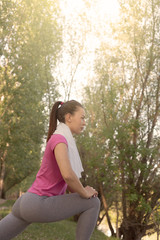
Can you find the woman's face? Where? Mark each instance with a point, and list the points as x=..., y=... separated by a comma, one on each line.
x=76, y=121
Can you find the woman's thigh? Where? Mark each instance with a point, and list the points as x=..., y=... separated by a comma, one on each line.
x=34, y=208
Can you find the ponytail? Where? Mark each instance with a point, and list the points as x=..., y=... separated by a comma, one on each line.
x=53, y=119
x=58, y=112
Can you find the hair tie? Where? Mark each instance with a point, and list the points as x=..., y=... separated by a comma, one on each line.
x=60, y=105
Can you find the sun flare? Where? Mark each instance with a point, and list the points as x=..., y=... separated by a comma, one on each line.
x=108, y=8
x=87, y=24
x=102, y=8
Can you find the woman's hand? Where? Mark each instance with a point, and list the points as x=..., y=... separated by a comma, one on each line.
x=91, y=192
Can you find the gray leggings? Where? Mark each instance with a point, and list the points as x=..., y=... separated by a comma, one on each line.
x=31, y=208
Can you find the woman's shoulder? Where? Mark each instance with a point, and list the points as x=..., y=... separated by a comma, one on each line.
x=58, y=137
x=55, y=139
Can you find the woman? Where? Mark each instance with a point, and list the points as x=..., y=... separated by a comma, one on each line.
x=45, y=200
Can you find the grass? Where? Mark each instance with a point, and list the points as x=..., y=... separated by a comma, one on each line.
x=63, y=230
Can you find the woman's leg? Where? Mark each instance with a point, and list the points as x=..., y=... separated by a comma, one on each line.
x=11, y=226
x=36, y=208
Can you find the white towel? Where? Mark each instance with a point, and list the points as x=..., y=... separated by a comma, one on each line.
x=73, y=153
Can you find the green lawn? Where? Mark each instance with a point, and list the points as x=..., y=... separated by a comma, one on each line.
x=63, y=230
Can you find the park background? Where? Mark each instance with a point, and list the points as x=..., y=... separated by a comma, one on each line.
x=106, y=55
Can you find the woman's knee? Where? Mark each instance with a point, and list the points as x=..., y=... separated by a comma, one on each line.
x=96, y=202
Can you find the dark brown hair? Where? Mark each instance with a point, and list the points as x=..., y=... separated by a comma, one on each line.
x=58, y=112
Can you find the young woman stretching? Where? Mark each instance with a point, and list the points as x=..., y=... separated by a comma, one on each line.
x=46, y=201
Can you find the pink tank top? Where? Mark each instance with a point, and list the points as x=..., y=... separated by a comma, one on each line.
x=49, y=181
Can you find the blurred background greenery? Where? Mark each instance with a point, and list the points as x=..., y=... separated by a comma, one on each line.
x=108, y=57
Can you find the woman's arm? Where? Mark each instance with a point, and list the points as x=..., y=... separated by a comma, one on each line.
x=69, y=189
x=61, y=154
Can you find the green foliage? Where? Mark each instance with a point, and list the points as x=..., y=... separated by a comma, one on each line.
x=122, y=116
x=30, y=42
x=21, y=187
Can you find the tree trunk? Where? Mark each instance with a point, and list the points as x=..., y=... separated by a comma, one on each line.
x=131, y=231
x=129, y=235
x=106, y=210
x=2, y=174
x=117, y=218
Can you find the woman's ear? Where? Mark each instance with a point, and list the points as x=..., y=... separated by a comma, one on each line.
x=68, y=117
